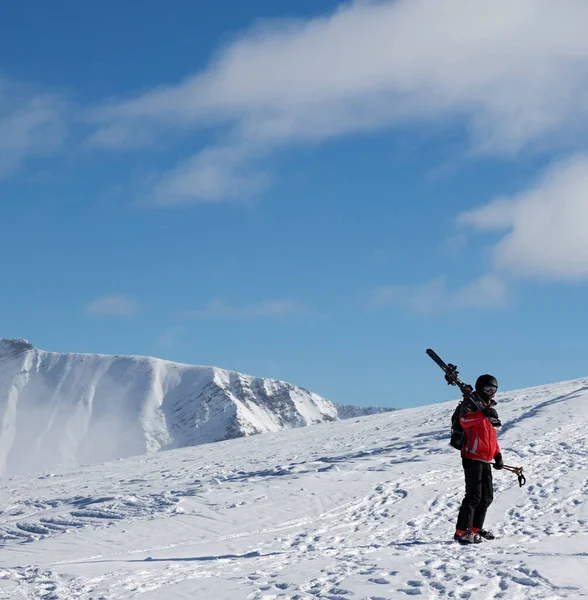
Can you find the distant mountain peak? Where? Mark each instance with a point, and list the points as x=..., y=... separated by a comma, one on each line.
x=59, y=410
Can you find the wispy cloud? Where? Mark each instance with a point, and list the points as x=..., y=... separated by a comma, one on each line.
x=543, y=238
x=545, y=226
x=169, y=338
x=212, y=175
x=436, y=296
x=512, y=71
x=31, y=125
x=111, y=305
x=422, y=298
x=266, y=308
x=487, y=291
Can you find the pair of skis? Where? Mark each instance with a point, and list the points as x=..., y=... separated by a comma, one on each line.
x=452, y=378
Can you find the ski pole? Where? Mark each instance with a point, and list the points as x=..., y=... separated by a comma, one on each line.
x=519, y=473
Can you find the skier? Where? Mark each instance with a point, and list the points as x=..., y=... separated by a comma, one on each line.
x=479, y=420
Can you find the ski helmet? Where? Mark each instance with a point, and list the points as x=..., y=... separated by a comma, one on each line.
x=485, y=381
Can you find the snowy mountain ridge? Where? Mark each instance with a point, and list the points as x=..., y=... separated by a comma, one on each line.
x=59, y=410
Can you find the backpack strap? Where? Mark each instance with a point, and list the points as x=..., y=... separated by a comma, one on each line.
x=458, y=436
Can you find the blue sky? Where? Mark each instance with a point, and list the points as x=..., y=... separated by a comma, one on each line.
x=314, y=192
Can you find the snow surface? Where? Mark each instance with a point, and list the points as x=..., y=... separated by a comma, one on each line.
x=62, y=410
x=356, y=509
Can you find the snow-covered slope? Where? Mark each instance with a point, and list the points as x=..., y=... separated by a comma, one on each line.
x=69, y=409
x=361, y=509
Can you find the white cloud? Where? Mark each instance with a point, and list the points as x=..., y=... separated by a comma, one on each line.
x=212, y=175
x=434, y=297
x=266, y=308
x=31, y=125
x=111, y=305
x=119, y=136
x=514, y=71
x=546, y=225
x=488, y=291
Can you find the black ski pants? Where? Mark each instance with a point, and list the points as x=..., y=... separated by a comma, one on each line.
x=478, y=494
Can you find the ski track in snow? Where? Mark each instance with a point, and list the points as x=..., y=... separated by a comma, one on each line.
x=362, y=509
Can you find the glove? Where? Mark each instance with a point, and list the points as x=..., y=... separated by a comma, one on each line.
x=498, y=464
x=492, y=417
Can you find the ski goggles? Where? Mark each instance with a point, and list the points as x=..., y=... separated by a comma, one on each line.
x=490, y=390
